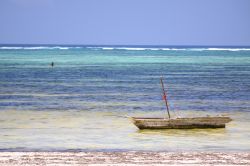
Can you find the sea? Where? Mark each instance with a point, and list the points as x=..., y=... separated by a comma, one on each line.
x=84, y=100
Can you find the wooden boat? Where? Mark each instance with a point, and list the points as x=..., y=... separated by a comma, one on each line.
x=179, y=123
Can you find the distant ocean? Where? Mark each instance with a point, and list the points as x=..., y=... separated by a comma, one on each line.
x=81, y=102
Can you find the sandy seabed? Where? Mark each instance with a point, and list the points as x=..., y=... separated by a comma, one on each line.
x=124, y=158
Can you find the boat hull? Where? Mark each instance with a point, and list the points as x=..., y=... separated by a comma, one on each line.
x=181, y=123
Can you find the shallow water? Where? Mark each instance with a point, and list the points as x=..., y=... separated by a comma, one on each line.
x=80, y=103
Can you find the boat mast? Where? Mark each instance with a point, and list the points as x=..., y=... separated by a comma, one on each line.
x=165, y=97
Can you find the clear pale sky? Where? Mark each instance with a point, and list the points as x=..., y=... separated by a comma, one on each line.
x=128, y=22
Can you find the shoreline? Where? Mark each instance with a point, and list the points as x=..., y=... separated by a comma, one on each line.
x=124, y=158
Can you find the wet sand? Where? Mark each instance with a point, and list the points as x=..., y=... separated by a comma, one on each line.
x=124, y=158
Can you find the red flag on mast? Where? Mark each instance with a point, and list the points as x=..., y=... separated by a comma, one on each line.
x=164, y=97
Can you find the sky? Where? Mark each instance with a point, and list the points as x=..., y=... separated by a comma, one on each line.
x=125, y=22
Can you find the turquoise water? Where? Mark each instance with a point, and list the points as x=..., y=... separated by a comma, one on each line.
x=79, y=103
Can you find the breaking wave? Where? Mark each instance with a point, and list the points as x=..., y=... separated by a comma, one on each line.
x=119, y=48
x=35, y=48
x=168, y=49
x=135, y=48
x=220, y=49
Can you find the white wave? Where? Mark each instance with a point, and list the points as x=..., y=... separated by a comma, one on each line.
x=102, y=48
x=131, y=48
x=229, y=49
x=153, y=49
x=107, y=48
x=173, y=49
x=34, y=48
x=135, y=48
x=46, y=48
x=117, y=48
x=219, y=49
x=10, y=48
x=197, y=49
x=121, y=48
x=61, y=48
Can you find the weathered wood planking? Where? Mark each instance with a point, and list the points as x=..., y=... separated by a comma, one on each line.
x=181, y=123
